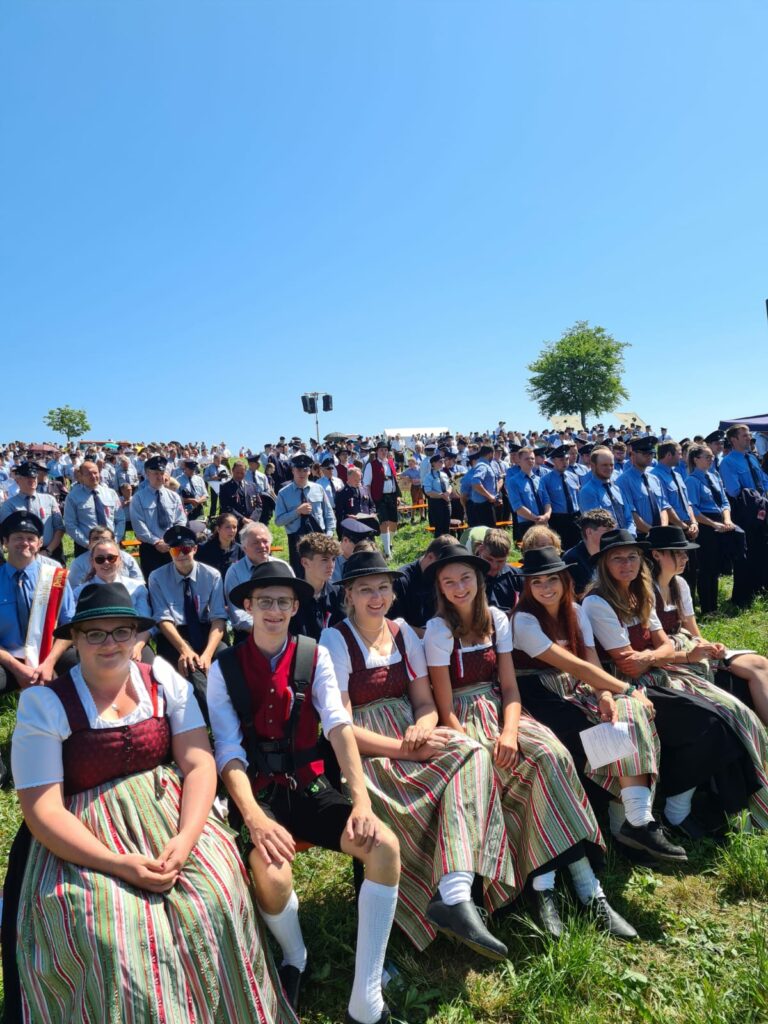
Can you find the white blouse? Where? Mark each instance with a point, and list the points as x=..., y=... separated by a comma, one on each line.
x=438, y=639
x=336, y=646
x=42, y=726
x=607, y=627
x=531, y=638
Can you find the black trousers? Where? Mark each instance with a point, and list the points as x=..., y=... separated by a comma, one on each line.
x=150, y=558
x=214, y=499
x=439, y=516
x=755, y=569
x=481, y=513
x=566, y=525
x=198, y=679
x=714, y=546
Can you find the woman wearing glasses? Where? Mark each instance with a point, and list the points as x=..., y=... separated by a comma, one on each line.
x=106, y=566
x=718, y=537
x=701, y=746
x=133, y=904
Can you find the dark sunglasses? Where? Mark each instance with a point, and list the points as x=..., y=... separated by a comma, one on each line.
x=108, y=559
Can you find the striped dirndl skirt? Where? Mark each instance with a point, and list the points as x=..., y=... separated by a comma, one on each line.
x=95, y=950
x=445, y=812
x=545, y=807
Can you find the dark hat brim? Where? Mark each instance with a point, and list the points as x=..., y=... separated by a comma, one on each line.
x=301, y=588
x=686, y=546
x=474, y=560
x=358, y=574
x=551, y=570
x=642, y=544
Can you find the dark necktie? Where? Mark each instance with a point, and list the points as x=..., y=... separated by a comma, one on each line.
x=98, y=507
x=655, y=515
x=192, y=619
x=754, y=471
x=616, y=515
x=536, y=497
x=23, y=603
x=566, y=494
x=163, y=519
x=28, y=502
x=679, y=486
x=442, y=483
x=718, y=494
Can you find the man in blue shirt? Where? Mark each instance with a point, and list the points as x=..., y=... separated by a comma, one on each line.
x=560, y=490
x=642, y=492
x=303, y=507
x=482, y=491
x=746, y=486
x=154, y=509
x=44, y=506
x=529, y=506
x=680, y=512
x=91, y=503
x=599, y=491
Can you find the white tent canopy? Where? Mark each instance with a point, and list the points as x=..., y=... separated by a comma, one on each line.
x=406, y=432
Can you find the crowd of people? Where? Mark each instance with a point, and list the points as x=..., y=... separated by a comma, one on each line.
x=425, y=719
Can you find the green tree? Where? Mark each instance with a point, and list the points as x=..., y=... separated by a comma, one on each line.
x=67, y=421
x=579, y=374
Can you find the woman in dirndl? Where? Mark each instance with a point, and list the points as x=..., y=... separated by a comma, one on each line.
x=550, y=822
x=134, y=904
x=436, y=789
x=707, y=746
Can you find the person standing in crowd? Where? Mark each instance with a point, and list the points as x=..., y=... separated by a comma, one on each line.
x=125, y=473
x=188, y=605
x=525, y=497
x=266, y=752
x=239, y=496
x=380, y=477
x=192, y=490
x=746, y=488
x=437, y=487
x=155, y=508
x=215, y=473
x=642, y=491
x=256, y=542
x=412, y=475
x=718, y=536
x=221, y=550
x=351, y=532
x=435, y=789
x=559, y=490
x=599, y=491
x=91, y=503
x=482, y=493
x=468, y=648
x=354, y=499
x=328, y=478
x=303, y=507
x=44, y=506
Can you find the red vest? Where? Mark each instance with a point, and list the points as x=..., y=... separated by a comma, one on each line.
x=378, y=477
x=272, y=700
x=94, y=756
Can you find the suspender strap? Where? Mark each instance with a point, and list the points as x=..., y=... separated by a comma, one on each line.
x=239, y=694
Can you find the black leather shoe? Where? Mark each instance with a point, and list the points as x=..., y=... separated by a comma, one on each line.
x=385, y=1017
x=545, y=907
x=463, y=922
x=689, y=828
x=653, y=839
x=291, y=978
x=608, y=920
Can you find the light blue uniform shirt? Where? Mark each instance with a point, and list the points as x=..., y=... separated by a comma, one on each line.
x=632, y=485
x=238, y=573
x=674, y=490
x=80, y=513
x=437, y=481
x=705, y=498
x=290, y=497
x=552, y=493
x=736, y=475
x=144, y=512
x=126, y=475
x=166, y=593
x=524, y=490
x=482, y=474
x=43, y=505
x=593, y=494
x=11, y=639
x=259, y=480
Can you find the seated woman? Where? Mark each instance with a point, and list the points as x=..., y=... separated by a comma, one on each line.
x=562, y=684
x=703, y=745
x=222, y=549
x=468, y=647
x=134, y=903
x=106, y=566
x=435, y=789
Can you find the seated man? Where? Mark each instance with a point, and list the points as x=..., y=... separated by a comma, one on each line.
x=318, y=554
x=414, y=596
x=187, y=601
x=35, y=597
x=351, y=531
x=256, y=542
x=268, y=697
x=593, y=524
x=503, y=583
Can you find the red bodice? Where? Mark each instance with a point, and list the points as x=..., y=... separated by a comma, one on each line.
x=669, y=619
x=640, y=637
x=95, y=756
x=382, y=682
x=469, y=668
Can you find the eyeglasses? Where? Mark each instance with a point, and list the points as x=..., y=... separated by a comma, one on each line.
x=97, y=637
x=264, y=604
x=183, y=549
x=108, y=559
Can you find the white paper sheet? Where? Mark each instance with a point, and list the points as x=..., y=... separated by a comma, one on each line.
x=606, y=743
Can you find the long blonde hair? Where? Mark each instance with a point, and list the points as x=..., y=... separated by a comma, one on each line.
x=637, y=602
x=480, y=621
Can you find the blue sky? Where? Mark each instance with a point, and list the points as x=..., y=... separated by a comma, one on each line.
x=209, y=208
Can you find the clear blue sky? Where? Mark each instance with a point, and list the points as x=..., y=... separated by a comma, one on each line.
x=210, y=207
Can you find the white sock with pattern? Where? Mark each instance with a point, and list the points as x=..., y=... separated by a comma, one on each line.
x=545, y=882
x=585, y=881
x=287, y=930
x=375, y=914
x=637, y=804
x=456, y=887
x=678, y=807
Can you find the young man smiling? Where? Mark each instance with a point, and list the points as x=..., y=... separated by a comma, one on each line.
x=267, y=698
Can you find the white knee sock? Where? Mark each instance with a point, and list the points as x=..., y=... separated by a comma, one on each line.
x=375, y=914
x=678, y=807
x=287, y=930
x=637, y=804
x=386, y=540
x=456, y=887
x=541, y=883
x=585, y=881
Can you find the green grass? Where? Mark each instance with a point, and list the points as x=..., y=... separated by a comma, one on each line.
x=702, y=958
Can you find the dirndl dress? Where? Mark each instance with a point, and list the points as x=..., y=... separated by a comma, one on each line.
x=549, y=818
x=93, y=949
x=445, y=812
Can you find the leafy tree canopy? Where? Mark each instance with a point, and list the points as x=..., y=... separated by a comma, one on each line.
x=67, y=421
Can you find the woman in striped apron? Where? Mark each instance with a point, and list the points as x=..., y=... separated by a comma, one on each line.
x=550, y=822
x=704, y=748
x=434, y=788
x=134, y=904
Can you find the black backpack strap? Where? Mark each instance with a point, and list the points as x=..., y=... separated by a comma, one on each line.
x=303, y=673
x=237, y=688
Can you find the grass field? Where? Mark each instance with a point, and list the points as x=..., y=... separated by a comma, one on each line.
x=702, y=958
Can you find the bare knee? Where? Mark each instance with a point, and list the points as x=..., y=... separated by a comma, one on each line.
x=272, y=885
x=382, y=863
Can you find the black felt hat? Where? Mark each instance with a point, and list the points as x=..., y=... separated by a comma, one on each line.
x=618, y=539
x=451, y=554
x=543, y=562
x=271, y=574
x=367, y=563
x=669, y=538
